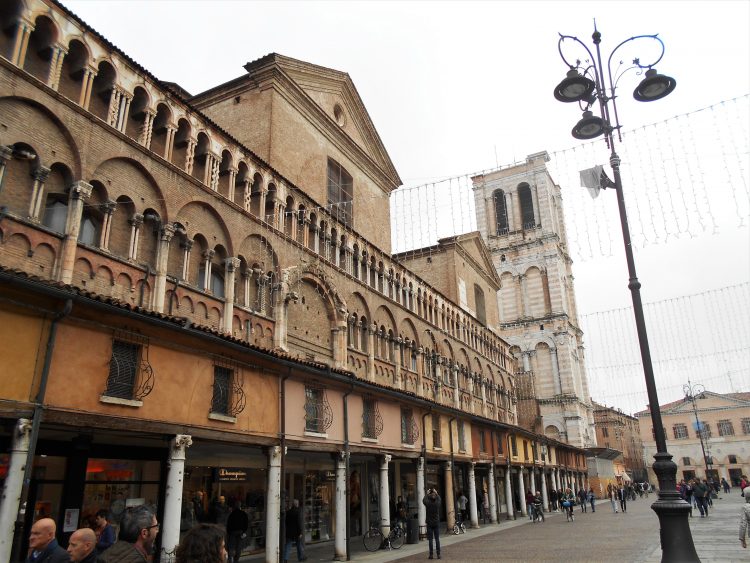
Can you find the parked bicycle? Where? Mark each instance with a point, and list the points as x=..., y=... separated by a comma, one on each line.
x=459, y=527
x=374, y=538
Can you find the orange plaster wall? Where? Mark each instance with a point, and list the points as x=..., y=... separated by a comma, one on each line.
x=23, y=339
x=183, y=385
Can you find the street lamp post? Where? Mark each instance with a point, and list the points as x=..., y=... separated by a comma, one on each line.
x=691, y=391
x=586, y=85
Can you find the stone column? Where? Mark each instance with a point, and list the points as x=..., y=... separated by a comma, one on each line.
x=232, y=180
x=421, y=508
x=87, y=85
x=186, y=246
x=55, y=66
x=162, y=258
x=338, y=337
x=190, y=156
x=40, y=175
x=135, y=228
x=207, y=256
x=79, y=193
x=23, y=32
x=508, y=494
x=522, y=492
x=371, y=343
x=12, y=488
x=147, y=129
x=449, y=500
x=169, y=143
x=6, y=153
x=385, y=498
x=170, y=527
x=473, y=514
x=273, y=504
x=492, y=494
x=341, y=509
x=230, y=267
x=545, y=498
x=557, y=382
x=108, y=210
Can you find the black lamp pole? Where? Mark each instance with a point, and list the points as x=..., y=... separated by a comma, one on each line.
x=691, y=390
x=585, y=84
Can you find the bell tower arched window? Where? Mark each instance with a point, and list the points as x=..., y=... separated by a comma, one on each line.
x=527, y=206
x=501, y=213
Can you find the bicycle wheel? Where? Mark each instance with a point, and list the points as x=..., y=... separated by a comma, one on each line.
x=456, y=529
x=397, y=537
x=372, y=539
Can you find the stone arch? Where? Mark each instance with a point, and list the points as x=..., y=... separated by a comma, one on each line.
x=311, y=318
x=41, y=47
x=200, y=217
x=552, y=431
x=10, y=16
x=357, y=304
x=535, y=293
x=125, y=176
x=160, y=128
x=101, y=90
x=73, y=69
x=139, y=105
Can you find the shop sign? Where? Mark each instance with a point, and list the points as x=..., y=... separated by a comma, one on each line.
x=431, y=469
x=232, y=474
x=330, y=475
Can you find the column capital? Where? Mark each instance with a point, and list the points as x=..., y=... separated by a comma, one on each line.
x=136, y=220
x=208, y=254
x=6, y=153
x=274, y=455
x=81, y=190
x=23, y=427
x=231, y=263
x=108, y=207
x=40, y=173
x=187, y=244
x=180, y=444
x=166, y=232
x=386, y=459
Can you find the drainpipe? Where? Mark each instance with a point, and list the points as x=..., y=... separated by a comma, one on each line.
x=346, y=453
x=39, y=412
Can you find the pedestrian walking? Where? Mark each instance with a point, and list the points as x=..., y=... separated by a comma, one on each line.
x=622, y=496
x=82, y=546
x=105, y=533
x=592, y=499
x=612, y=494
x=700, y=490
x=582, y=499
x=745, y=517
x=294, y=529
x=43, y=547
x=138, y=531
x=744, y=483
x=553, y=499
x=432, y=505
x=726, y=486
x=237, y=524
x=529, y=502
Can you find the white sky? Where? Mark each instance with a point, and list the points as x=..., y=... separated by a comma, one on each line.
x=459, y=87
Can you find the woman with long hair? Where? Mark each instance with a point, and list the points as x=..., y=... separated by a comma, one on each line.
x=204, y=543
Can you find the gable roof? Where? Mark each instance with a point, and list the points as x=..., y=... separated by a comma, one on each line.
x=305, y=83
x=475, y=250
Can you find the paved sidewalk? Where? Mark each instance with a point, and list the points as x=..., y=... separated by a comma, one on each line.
x=597, y=537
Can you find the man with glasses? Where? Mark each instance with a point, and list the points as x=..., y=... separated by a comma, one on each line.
x=138, y=531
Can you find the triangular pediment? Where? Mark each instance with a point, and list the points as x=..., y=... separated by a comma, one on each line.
x=335, y=94
x=708, y=400
x=474, y=247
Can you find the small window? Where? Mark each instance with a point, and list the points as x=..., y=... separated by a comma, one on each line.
x=685, y=461
x=482, y=443
x=372, y=422
x=527, y=206
x=222, y=390
x=409, y=430
x=514, y=447
x=123, y=370
x=461, y=436
x=732, y=458
x=55, y=216
x=500, y=440
x=680, y=431
x=340, y=193
x=88, y=233
x=479, y=304
x=318, y=413
x=525, y=450
x=501, y=213
x=605, y=432
x=437, y=441
x=726, y=428
x=703, y=430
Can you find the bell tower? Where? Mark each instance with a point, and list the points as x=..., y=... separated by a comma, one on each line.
x=520, y=215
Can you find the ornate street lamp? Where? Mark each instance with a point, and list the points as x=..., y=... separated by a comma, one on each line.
x=692, y=392
x=585, y=84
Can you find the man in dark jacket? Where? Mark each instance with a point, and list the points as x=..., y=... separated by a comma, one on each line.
x=432, y=504
x=138, y=531
x=294, y=529
x=43, y=547
x=236, y=529
x=82, y=546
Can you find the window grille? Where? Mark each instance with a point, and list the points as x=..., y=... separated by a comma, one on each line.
x=732, y=458
x=726, y=428
x=437, y=440
x=409, y=428
x=501, y=214
x=746, y=425
x=514, y=447
x=527, y=207
x=680, y=431
x=461, y=436
x=228, y=394
x=318, y=413
x=372, y=422
x=482, y=443
x=704, y=430
x=130, y=373
x=340, y=193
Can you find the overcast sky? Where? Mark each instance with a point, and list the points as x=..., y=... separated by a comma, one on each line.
x=458, y=87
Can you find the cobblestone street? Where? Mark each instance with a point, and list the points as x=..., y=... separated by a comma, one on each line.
x=600, y=536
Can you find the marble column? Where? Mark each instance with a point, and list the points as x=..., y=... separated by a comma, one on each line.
x=162, y=258
x=13, y=486
x=385, y=506
x=473, y=513
x=170, y=527
x=493, y=495
x=341, y=509
x=421, y=509
x=79, y=193
x=450, y=505
x=545, y=498
x=522, y=492
x=509, y=494
x=230, y=269
x=273, y=504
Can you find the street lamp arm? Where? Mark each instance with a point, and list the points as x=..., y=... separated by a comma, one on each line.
x=581, y=43
x=637, y=60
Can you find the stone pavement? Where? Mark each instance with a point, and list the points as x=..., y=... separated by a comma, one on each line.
x=601, y=536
